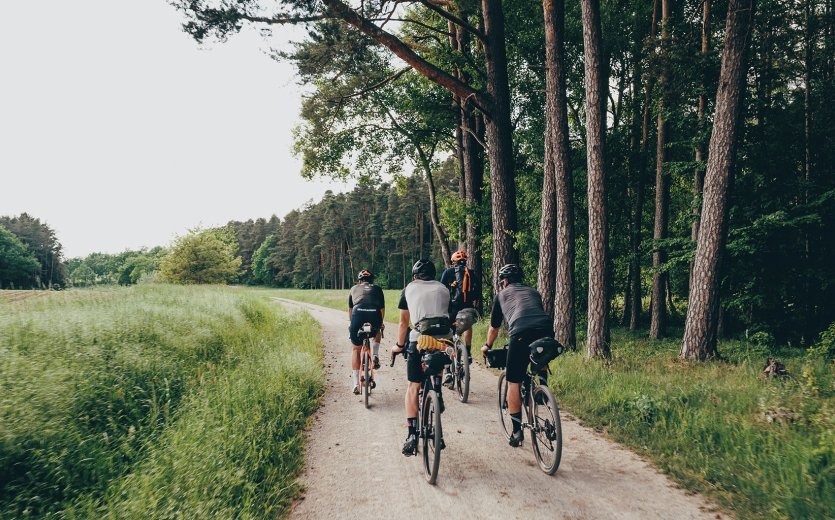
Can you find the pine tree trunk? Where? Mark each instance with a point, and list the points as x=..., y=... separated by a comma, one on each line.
x=598, y=300
x=658, y=320
x=474, y=170
x=499, y=139
x=698, y=174
x=703, y=309
x=557, y=161
x=636, y=305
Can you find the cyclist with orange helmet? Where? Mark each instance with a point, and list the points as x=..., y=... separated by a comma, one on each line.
x=464, y=292
x=366, y=304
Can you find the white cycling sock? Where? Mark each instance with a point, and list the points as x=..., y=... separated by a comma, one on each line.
x=375, y=348
x=355, y=377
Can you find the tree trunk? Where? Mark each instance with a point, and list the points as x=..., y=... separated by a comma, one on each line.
x=474, y=170
x=636, y=305
x=499, y=139
x=658, y=320
x=440, y=232
x=698, y=174
x=598, y=300
x=557, y=165
x=456, y=45
x=701, y=315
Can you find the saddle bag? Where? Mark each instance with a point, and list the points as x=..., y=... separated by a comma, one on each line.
x=543, y=351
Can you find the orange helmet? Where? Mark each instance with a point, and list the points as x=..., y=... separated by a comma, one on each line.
x=459, y=256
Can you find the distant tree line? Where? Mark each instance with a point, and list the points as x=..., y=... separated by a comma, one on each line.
x=31, y=257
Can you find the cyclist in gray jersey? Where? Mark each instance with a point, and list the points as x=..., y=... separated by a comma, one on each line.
x=422, y=302
x=521, y=307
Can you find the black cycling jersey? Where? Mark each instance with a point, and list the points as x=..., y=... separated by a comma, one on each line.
x=521, y=307
x=366, y=296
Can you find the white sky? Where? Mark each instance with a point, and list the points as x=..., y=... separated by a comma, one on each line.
x=120, y=132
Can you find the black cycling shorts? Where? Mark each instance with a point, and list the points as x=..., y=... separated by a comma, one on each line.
x=414, y=366
x=360, y=317
x=518, y=352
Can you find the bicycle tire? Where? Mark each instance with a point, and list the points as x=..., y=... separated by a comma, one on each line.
x=366, y=383
x=463, y=373
x=546, y=432
x=432, y=435
x=504, y=415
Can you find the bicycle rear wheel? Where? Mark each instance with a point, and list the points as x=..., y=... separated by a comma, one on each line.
x=432, y=436
x=546, y=430
x=366, y=376
x=504, y=414
x=462, y=375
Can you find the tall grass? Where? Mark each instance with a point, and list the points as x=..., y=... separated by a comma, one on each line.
x=336, y=299
x=153, y=401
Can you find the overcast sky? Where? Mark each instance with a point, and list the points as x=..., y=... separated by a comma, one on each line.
x=120, y=132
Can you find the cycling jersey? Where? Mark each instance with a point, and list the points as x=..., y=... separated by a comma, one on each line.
x=521, y=307
x=366, y=296
x=366, y=301
x=424, y=299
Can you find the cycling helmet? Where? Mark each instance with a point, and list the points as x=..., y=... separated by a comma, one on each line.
x=365, y=275
x=459, y=257
x=511, y=272
x=424, y=269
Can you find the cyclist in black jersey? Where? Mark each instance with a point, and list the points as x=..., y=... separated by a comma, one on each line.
x=366, y=304
x=464, y=293
x=521, y=307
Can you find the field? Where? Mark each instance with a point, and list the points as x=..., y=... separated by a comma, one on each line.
x=761, y=448
x=153, y=402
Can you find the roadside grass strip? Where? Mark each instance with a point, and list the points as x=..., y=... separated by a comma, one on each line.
x=153, y=402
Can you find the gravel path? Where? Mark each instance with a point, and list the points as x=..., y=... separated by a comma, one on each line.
x=354, y=468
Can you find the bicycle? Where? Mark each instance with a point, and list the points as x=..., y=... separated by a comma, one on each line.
x=430, y=407
x=540, y=413
x=460, y=367
x=366, y=366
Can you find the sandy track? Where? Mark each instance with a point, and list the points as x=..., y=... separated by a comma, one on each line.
x=354, y=468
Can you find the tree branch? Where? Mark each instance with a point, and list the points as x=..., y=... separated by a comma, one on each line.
x=339, y=9
x=454, y=19
x=282, y=21
x=375, y=86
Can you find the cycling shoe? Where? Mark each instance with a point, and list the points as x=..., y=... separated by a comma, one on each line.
x=516, y=439
x=376, y=362
x=410, y=446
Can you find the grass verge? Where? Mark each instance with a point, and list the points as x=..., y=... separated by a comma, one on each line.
x=153, y=401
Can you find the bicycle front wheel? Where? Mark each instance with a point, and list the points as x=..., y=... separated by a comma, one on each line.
x=546, y=430
x=432, y=436
x=366, y=377
x=504, y=414
x=462, y=373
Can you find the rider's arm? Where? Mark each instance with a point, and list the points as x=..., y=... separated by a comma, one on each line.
x=350, y=306
x=496, y=318
x=404, y=328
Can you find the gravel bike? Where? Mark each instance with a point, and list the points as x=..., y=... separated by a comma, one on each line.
x=460, y=369
x=540, y=414
x=430, y=407
x=366, y=366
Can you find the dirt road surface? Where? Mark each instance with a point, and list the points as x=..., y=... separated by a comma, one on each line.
x=354, y=468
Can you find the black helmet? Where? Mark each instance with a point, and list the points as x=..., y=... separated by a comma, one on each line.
x=365, y=274
x=424, y=269
x=511, y=272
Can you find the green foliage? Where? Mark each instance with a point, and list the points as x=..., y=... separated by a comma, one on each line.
x=126, y=268
x=41, y=242
x=153, y=401
x=202, y=256
x=18, y=267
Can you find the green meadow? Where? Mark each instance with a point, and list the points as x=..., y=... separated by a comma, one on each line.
x=153, y=401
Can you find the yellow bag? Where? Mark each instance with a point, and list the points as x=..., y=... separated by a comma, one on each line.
x=432, y=343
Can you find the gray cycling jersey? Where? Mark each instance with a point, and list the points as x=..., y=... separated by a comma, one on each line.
x=366, y=296
x=521, y=307
x=424, y=299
